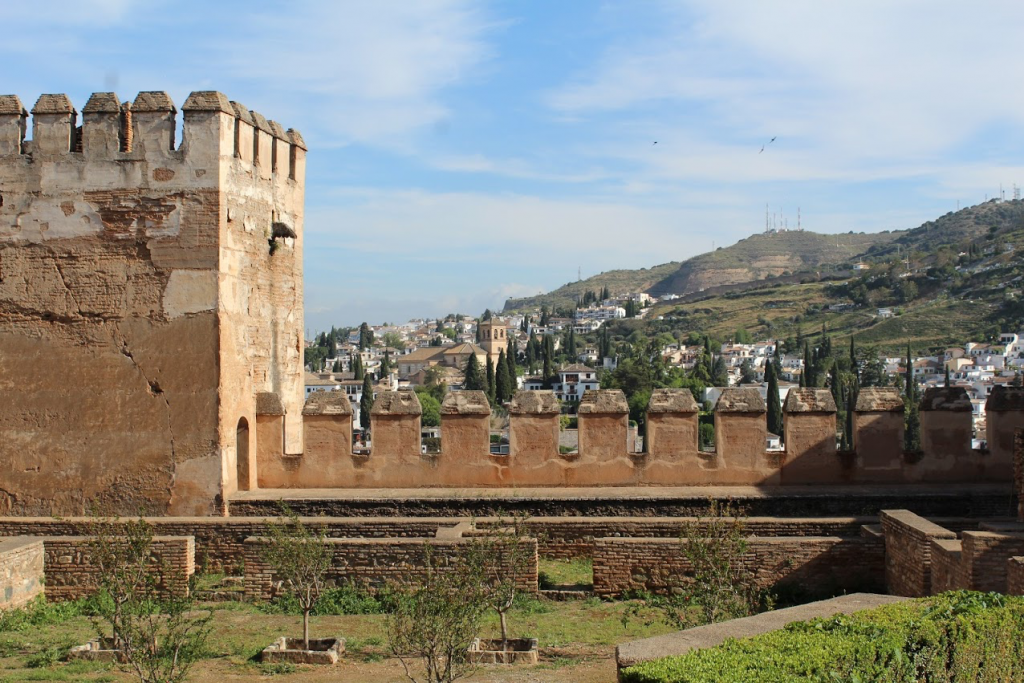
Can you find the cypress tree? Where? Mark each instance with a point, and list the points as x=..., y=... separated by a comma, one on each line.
x=912, y=433
x=366, y=403
x=549, y=352
x=357, y=366
x=474, y=378
x=946, y=381
x=837, y=390
x=510, y=358
x=502, y=387
x=846, y=443
x=385, y=364
x=571, y=346
x=853, y=363
x=490, y=380
x=531, y=354
x=774, y=402
x=809, y=379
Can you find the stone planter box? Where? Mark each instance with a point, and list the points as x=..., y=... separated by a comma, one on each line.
x=321, y=651
x=489, y=651
x=98, y=650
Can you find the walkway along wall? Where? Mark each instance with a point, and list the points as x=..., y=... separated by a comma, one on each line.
x=604, y=458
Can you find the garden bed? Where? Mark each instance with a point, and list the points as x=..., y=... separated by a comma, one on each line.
x=294, y=651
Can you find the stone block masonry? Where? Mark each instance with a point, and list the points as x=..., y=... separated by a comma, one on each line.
x=813, y=565
x=908, y=552
x=141, y=307
x=71, y=574
x=21, y=571
x=375, y=563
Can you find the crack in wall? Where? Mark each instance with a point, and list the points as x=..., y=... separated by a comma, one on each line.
x=64, y=282
x=153, y=387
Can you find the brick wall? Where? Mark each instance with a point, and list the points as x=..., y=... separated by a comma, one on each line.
x=827, y=564
x=947, y=566
x=1015, y=576
x=21, y=571
x=374, y=563
x=985, y=554
x=908, y=550
x=70, y=573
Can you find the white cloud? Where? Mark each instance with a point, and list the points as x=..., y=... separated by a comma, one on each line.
x=360, y=71
x=846, y=85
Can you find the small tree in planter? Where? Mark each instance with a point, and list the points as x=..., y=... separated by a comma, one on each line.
x=505, y=557
x=438, y=620
x=300, y=558
x=149, y=610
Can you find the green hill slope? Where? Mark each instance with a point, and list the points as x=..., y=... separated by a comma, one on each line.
x=617, y=281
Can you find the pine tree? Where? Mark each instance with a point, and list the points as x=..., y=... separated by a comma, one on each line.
x=774, y=402
x=474, y=379
x=366, y=404
x=490, y=380
x=719, y=373
x=502, y=389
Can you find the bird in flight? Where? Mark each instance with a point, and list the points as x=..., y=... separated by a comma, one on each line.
x=773, y=139
x=762, y=149
x=655, y=142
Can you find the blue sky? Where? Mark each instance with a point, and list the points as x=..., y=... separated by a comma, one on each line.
x=462, y=152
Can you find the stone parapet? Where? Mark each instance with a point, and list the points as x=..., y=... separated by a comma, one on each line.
x=467, y=427
x=1015, y=576
x=947, y=427
x=672, y=433
x=1004, y=415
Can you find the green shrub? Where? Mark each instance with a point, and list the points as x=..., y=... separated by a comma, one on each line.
x=333, y=601
x=960, y=636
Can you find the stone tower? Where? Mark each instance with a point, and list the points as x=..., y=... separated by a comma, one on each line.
x=494, y=338
x=150, y=294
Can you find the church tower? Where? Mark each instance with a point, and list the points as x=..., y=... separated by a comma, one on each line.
x=493, y=338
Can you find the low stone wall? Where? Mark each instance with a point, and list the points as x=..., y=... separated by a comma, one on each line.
x=1015, y=576
x=70, y=573
x=21, y=571
x=908, y=552
x=374, y=563
x=816, y=565
x=947, y=568
x=985, y=555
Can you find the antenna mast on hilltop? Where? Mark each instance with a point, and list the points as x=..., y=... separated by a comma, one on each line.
x=798, y=219
x=767, y=223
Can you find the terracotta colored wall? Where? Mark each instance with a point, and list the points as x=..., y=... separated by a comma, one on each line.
x=908, y=548
x=603, y=437
x=533, y=439
x=465, y=439
x=878, y=440
x=810, y=449
x=1000, y=427
x=945, y=436
x=740, y=440
x=21, y=571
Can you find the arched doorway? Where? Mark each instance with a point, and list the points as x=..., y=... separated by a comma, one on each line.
x=242, y=454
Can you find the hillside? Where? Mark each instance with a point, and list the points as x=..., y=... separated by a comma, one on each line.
x=617, y=281
x=766, y=255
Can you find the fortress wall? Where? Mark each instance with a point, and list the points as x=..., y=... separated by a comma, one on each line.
x=740, y=457
x=908, y=548
x=114, y=309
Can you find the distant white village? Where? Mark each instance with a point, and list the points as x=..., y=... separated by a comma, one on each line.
x=430, y=351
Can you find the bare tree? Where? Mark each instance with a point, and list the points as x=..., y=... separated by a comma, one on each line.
x=437, y=620
x=504, y=556
x=300, y=558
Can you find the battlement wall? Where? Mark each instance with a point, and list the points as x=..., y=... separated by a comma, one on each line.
x=604, y=458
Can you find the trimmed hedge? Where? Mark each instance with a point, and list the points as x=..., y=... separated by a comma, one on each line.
x=961, y=636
